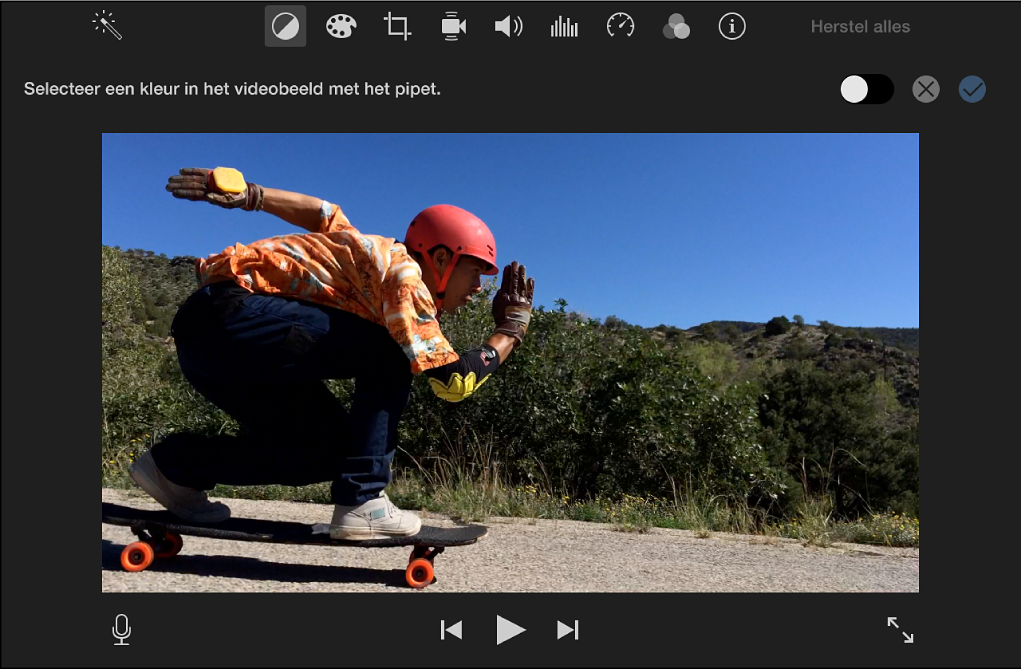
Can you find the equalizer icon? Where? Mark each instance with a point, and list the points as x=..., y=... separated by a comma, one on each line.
x=563, y=28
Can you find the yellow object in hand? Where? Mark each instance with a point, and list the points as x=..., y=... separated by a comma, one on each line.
x=228, y=180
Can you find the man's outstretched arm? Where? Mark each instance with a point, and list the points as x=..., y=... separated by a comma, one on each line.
x=294, y=208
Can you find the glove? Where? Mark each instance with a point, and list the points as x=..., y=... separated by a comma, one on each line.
x=198, y=184
x=512, y=307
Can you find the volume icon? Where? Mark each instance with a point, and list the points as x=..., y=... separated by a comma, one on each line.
x=504, y=26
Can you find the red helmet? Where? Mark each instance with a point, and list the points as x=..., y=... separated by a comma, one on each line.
x=457, y=229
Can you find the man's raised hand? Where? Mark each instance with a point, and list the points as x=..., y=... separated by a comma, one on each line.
x=198, y=184
x=512, y=307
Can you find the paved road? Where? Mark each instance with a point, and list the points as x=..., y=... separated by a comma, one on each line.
x=517, y=555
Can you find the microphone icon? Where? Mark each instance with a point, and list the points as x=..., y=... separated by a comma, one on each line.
x=121, y=636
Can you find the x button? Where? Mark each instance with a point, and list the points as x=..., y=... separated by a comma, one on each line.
x=925, y=89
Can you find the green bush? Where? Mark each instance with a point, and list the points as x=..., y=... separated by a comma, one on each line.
x=778, y=325
x=145, y=396
x=797, y=349
x=830, y=431
x=588, y=410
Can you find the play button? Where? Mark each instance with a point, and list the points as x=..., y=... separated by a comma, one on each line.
x=505, y=630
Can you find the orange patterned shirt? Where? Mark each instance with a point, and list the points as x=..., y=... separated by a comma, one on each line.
x=368, y=275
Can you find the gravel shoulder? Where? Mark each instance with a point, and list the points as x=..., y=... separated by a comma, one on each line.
x=517, y=555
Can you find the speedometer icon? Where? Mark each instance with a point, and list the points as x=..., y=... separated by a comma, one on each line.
x=620, y=25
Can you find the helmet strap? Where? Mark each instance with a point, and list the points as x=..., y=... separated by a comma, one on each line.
x=441, y=283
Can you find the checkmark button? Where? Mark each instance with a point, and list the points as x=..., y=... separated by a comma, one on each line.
x=972, y=89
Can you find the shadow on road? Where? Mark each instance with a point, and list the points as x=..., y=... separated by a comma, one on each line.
x=243, y=567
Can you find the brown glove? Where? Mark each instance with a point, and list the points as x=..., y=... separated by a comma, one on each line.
x=512, y=307
x=197, y=184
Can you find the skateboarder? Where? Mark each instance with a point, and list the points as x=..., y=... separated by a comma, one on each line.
x=274, y=318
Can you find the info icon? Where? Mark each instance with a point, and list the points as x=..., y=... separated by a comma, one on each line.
x=285, y=26
x=732, y=26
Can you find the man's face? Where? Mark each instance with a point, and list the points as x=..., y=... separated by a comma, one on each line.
x=464, y=282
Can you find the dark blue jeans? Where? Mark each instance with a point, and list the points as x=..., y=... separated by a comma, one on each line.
x=262, y=359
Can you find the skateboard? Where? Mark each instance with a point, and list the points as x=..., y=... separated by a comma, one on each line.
x=159, y=536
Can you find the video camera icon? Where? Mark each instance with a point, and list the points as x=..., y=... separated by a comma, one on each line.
x=452, y=27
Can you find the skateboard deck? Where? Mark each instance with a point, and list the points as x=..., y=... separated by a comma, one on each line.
x=159, y=534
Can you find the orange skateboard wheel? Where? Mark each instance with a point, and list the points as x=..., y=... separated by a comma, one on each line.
x=175, y=544
x=137, y=556
x=419, y=573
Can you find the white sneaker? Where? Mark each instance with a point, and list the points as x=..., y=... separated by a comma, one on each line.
x=376, y=519
x=189, y=504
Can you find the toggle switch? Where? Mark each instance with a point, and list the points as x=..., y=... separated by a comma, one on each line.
x=867, y=89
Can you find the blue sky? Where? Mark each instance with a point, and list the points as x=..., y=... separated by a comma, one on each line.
x=675, y=229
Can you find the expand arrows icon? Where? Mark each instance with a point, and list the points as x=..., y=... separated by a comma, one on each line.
x=908, y=638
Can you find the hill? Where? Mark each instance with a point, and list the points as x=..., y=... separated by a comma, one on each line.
x=165, y=283
x=905, y=339
x=765, y=416
x=828, y=345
